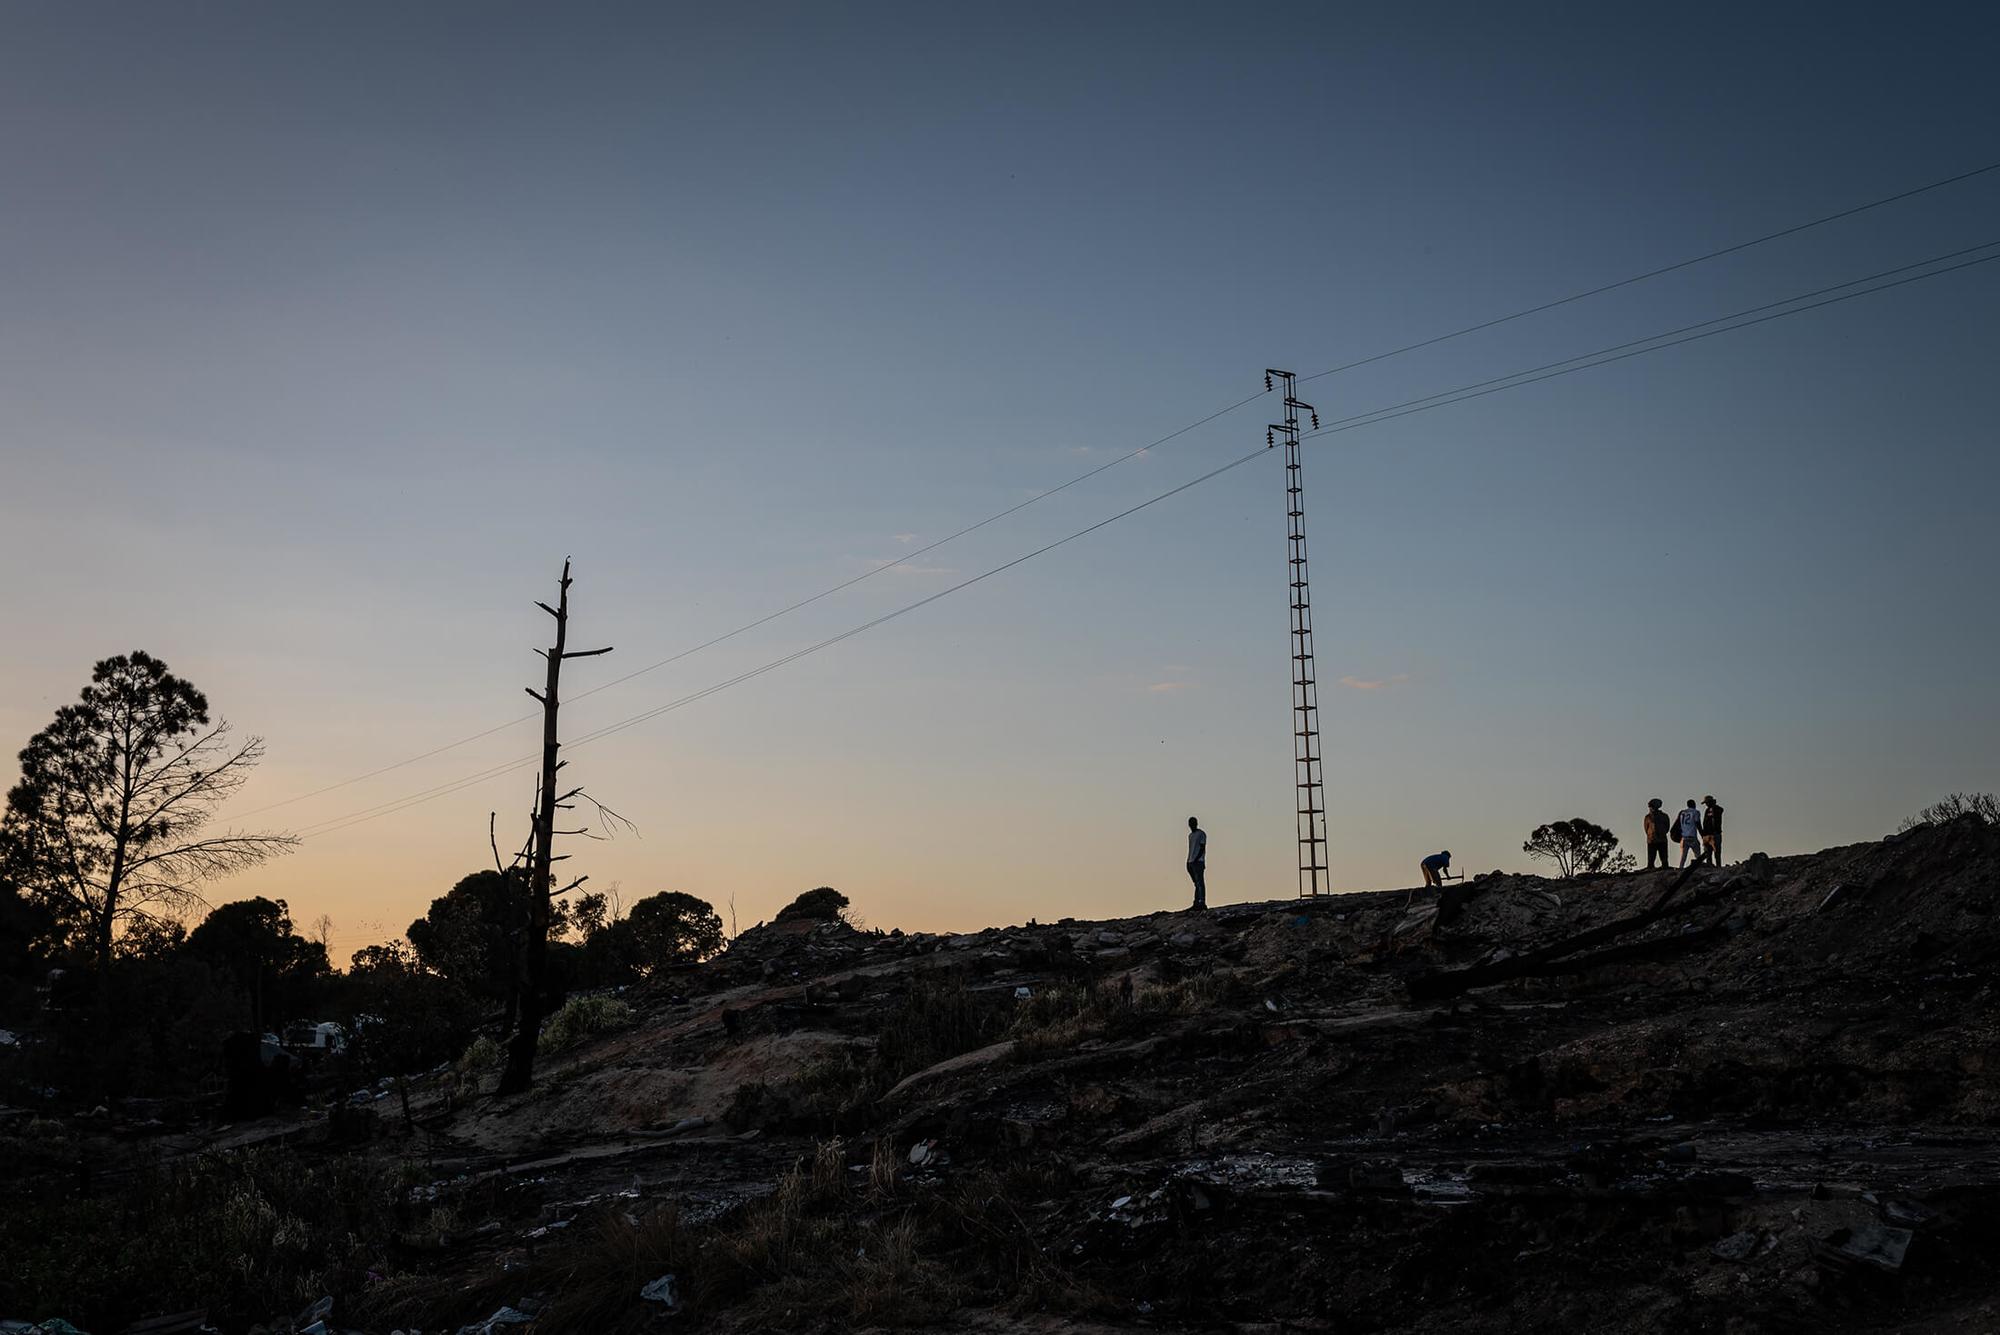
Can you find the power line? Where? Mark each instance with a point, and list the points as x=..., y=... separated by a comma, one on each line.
x=1479, y=389
x=1656, y=273
x=326, y=827
x=783, y=611
x=1377, y=414
x=1529, y=377
x=1128, y=456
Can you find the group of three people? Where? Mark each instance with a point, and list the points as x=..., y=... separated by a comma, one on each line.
x=1698, y=832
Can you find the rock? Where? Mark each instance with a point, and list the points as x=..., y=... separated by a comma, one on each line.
x=1184, y=940
x=1909, y=1214
x=991, y=1055
x=1737, y=1246
x=1874, y=1245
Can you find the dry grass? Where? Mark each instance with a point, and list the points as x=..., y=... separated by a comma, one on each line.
x=828, y=1248
x=248, y=1234
x=1059, y=1018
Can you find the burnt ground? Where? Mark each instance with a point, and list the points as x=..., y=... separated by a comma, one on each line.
x=1765, y=1098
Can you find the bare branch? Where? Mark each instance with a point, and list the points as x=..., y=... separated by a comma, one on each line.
x=217, y=856
x=610, y=817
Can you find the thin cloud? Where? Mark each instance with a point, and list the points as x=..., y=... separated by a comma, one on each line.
x=1374, y=683
x=1162, y=687
x=905, y=538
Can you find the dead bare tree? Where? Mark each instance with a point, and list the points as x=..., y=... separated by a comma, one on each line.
x=519, y=1073
x=105, y=826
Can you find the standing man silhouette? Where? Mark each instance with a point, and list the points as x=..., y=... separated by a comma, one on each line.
x=1197, y=862
x=1658, y=823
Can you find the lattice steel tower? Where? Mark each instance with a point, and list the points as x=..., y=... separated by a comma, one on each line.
x=1313, y=879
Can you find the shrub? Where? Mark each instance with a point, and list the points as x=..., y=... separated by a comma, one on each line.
x=1983, y=805
x=247, y=1234
x=823, y=904
x=672, y=928
x=581, y=1017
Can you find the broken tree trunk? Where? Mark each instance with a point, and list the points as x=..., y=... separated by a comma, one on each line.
x=520, y=1070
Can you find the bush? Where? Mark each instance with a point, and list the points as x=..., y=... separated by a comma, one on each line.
x=824, y=904
x=672, y=928
x=581, y=1017
x=1983, y=805
x=247, y=1234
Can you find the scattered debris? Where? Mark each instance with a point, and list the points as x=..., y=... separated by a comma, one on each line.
x=1875, y=1245
x=665, y=1291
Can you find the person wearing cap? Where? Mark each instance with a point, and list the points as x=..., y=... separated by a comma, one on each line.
x=1435, y=866
x=1688, y=828
x=1658, y=823
x=1711, y=829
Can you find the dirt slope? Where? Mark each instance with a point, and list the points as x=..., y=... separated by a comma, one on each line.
x=1765, y=1098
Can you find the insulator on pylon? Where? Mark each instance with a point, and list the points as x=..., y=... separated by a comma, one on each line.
x=1269, y=440
x=1267, y=380
x=1315, y=421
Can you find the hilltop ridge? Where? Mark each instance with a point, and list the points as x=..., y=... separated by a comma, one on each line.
x=1761, y=1097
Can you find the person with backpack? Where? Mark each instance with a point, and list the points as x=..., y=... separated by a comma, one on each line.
x=1658, y=823
x=1711, y=829
x=1688, y=828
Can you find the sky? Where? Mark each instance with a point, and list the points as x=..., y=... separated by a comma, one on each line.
x=330, y=331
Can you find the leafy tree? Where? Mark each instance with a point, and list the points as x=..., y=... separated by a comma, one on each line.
x=407, y=1019
x=472, y=935
x=824, y=903
x=24, y=930
x=388, y=955
x=590, y=913
x=673, y=928
x=1983, y=805
x=1577, y=846
x=251, y=941
x=152, y=939
x=104, y=828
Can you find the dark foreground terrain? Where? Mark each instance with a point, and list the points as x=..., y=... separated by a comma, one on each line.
x=1760, y=1099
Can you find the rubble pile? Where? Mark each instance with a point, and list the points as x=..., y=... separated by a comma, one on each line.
x=1763, y=1097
